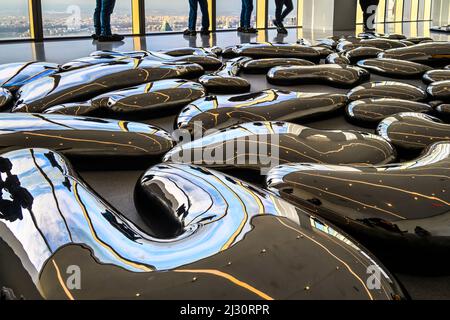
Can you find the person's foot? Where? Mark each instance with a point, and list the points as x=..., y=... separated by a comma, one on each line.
x=205, y=32
x=282, y=30
x=249, y=30
x=189, y=32
x=111, y=38
x=240, y=29
x=95, y=36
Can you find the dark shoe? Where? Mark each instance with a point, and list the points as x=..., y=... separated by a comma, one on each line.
x=111, y=38
x=249, y=30
x=282, y=30
x=95, y=36
x=240, y=29
x=275, y=23
x=205, y=32
x=189, y=32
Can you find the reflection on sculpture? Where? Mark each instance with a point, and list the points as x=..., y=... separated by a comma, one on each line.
x=436, y=75
x=439, y=90
x=163, y=95
x=330, y=74
x=273, y=50
x=403, y=207
x=87, y=138
x=15, y=75
x=218, y=112
x=5, y=98
x=262, y=66
x=387, y=89
x=261, y=145
x=225, y=80
x=86, y=83
x=394, y=68
x=413, y=131
x=361, y=53
x=369, y=112
x=435, y=54
x=221, y=227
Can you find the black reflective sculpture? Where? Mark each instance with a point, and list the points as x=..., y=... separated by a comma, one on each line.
x=394, y=68
x=15, y=75
x=387, y=89
x=357, y=54
x=262, y=66
x=5, y=98
x=160, y=95
x=443, y=111
x=400, y=211
x=86, y=83
x=439, y=90
x=324, y=51
x=98, y=142
x=413, y=131
x=369, y=112
x=275, y=50
x=216, y=236
x=225, y=80
x=262, y=145
x=186, y=51
x=331, y=74
x=383, y=44
x=417, y=40
x=337, y=58
x=436, y=75
x=218, y=112
x=436, y=54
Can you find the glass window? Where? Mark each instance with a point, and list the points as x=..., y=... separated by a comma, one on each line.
x=228, y=14
x=14, y=19
x=289, y=21
x=160, y=17
x=65, y=18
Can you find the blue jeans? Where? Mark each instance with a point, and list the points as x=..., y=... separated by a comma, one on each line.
x=246, y=13
x=279, y=13
x=193, y=7
x=102, y=17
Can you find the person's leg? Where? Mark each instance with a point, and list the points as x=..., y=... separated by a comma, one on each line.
x=193, y=7
x=107, y=10
x=205, y=14
x=278, y=10
x=243, y=13
x=368, y=13
x=287, y=10
x=248, y=12
x=97, y=22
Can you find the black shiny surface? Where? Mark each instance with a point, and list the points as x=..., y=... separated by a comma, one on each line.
x=432, y=53
x=394, y=68
x=5, y=98
x=436, y=75
x=413, y=131
x=439, y=90
x=276, y=50
x=383, y=44
x=400, y=207
x=330, y=74
x=369, y=112
x=15, y=75
x=86, y=83
x=163, y=95
x=443, y=111
x=261, y=145
x=337, y=58
x=85, y=138
x=262, y=66
x=357, y=54
x=225, y=80
x=56, y=221
x=387, y=89
x=219, y=112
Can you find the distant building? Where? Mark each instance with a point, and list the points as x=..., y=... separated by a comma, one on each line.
x=166, y=26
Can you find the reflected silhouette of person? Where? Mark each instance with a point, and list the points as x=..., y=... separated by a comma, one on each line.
x=369, y=8
x=193, y=8
x=281, y=14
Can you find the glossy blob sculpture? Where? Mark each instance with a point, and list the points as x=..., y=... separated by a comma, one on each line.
x=337, y=58
x=330, y=74
x=225, y=80
x=361, y=53
x=387, y=89
x=439, y=90
x=99, y=142
x=86, y=83
x=5, y=98
x=15, y=75
x=262, y=66
x=394, y=68
x=436, y=75
x=163, y=95
x=218, y=112
x=400, y=211
x=369, y=112
x=435, y=54
x=262, y=145
x=414, y=131
x=219, y=231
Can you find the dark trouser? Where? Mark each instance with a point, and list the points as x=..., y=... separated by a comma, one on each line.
x=193, y=7
x=279, y=13
x=246, y=13
x=367, y=13
x=102, y=17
